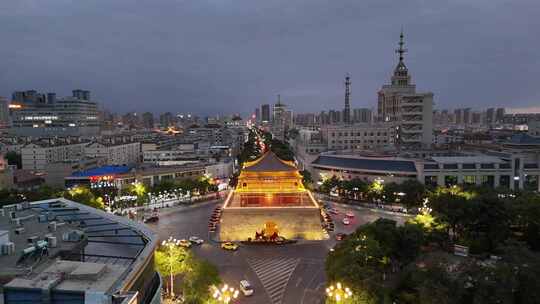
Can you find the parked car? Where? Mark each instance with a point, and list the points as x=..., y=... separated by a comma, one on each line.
x=246, y=288
x=151, y=219
x=184, y=243
x=229, y=246
x=196, y=240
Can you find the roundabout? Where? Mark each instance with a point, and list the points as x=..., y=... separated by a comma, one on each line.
x=289, y=273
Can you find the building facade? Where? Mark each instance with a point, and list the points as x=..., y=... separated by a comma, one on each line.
x=358, y=136
x=70, y=116
x=409, y=111
x=118, y=154
x=36, y=156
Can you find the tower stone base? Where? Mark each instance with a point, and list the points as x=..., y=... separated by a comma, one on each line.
x=239, y=224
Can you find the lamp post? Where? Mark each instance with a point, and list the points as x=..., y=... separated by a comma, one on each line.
x=170, y=244
x=339, y=292
x=225, y=294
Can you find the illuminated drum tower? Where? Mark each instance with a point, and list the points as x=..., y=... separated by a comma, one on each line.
x=270, y=193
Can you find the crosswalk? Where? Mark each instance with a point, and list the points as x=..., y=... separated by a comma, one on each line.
x=274, y=274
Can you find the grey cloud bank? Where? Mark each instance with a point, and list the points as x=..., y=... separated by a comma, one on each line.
x=229, y=56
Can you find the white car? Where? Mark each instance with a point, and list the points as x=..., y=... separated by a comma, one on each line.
x=246, y=288
x=196, y=240
x=346, y=221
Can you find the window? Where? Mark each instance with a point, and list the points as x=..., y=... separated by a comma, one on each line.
x=504, y=181
x=430, y=181
x=469, y=180
x=488, y=180
x=531, y=183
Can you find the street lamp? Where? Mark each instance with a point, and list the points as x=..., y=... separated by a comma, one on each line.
x=225, y=294
x=338, y=292
x=170, y=244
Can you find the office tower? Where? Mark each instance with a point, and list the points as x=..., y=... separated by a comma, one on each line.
x=81, y=94
x=362, y=115
x=257, y=115
x=265, y=109
x=409, y=111
x=4, y=113
x=148, y=120
x=46, y=115
x=499, y=115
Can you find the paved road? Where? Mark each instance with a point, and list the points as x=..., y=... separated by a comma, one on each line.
x=281, y=274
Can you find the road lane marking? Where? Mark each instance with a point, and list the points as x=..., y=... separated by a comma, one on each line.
x=274, y=274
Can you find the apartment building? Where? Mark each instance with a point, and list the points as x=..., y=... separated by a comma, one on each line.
x=358, y=137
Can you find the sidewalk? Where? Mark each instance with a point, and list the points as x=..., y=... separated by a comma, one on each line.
x=359, y=205
x=378, y=210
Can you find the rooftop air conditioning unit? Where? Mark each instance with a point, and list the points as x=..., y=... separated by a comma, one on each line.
x=52, y=226
x=52, y=241
x=8, y=248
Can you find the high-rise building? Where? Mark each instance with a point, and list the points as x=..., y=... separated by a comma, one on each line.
x=166, y=120
x=458, y=113
x=409, y=111
x=257, y=115
x=490, y=116
x=476, y=118
x=4, y=113
x=334, y=116
x=265, y=109
x=499, y=115
x=148, y=120
x=68, y=116
x=467, y=116
x=279, y=122
x=362, y=115
x=347, y=108
x=81, y=94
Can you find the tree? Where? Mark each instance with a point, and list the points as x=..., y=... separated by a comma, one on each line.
x=170, y=260
x=197, y=282
x=414, y=191
x=307, y=180
x=330, y=184
x=84, y=196
x=390, y=192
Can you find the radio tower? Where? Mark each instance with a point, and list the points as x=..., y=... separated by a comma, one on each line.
x=347, y=109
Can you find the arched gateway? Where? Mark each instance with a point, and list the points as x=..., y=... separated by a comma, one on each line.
x=270, y=190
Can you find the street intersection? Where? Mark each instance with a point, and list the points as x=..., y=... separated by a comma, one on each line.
x=279, y=274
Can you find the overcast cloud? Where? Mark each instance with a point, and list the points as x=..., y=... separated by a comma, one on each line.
x=228, y=56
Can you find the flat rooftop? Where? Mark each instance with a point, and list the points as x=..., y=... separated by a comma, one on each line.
x=366, y=163
x=116, y=249
x=73, y=276
x=31, y=227
x=475, y=159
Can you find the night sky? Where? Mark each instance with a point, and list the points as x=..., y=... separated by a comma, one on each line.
x=229, y=56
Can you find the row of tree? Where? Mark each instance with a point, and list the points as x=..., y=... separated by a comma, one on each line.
x=413, y=263
x=97, y=197
x=410, y=193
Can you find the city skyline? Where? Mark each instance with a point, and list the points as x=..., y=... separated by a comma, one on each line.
x=190, y=50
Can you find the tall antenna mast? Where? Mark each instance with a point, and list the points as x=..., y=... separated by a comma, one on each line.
x=347, y=109
x=401, y=50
